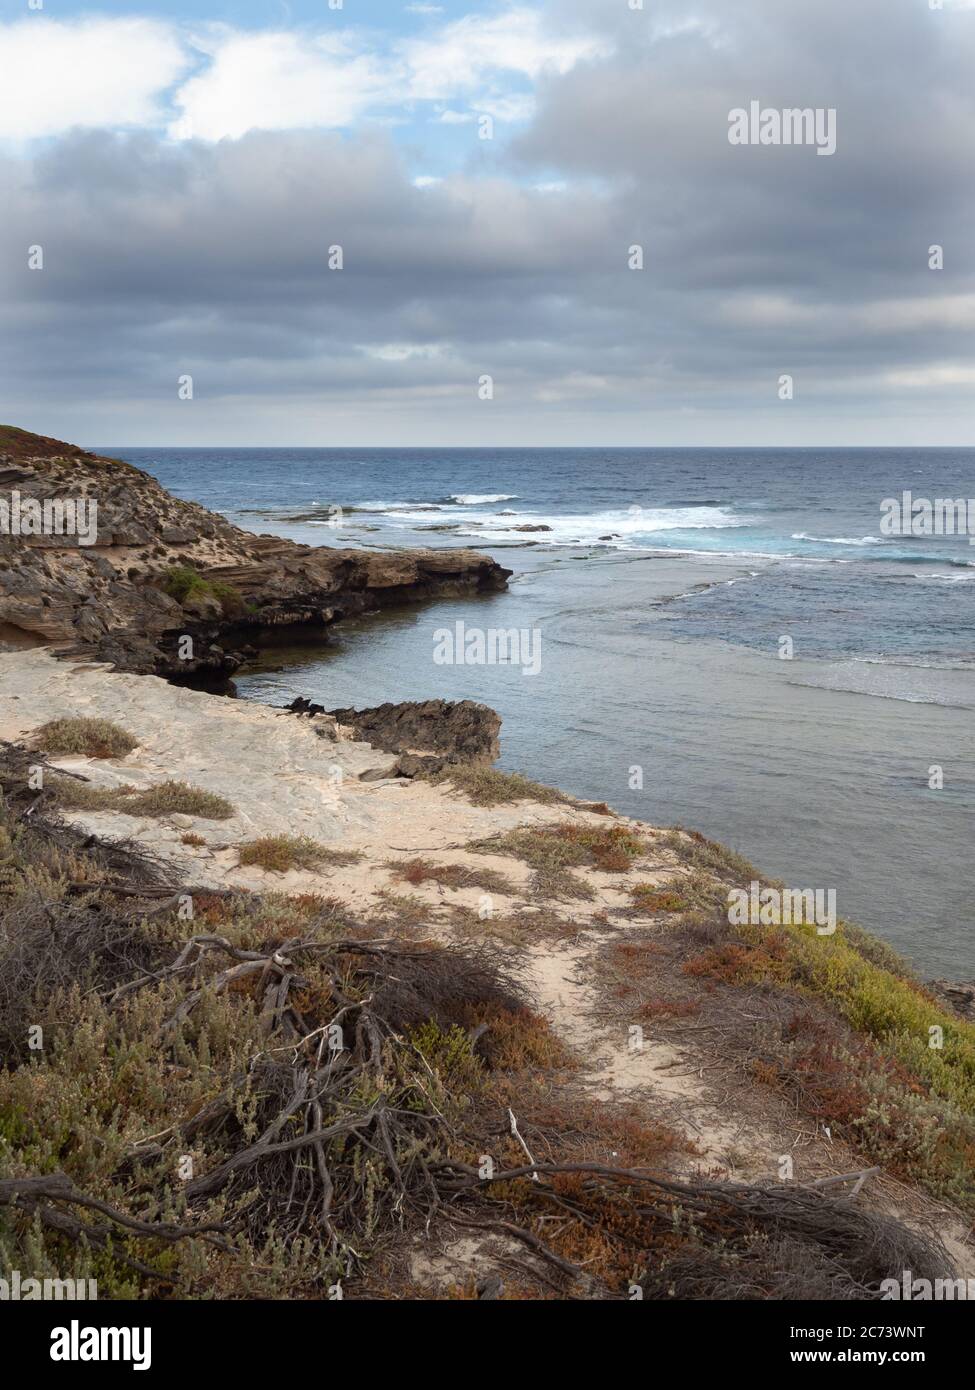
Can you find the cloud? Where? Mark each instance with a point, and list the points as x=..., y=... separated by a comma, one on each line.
x=462, y=55
x=280, y=81
x=109, y=73
x=211, y=256
x=88, y=72
x=213, y=259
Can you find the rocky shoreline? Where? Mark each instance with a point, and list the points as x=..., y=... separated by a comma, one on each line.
x=169, y=588
x=537, y=935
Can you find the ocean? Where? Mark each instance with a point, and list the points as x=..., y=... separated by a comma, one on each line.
x=726, y=640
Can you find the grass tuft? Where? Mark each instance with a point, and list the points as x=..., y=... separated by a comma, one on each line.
x=552, y=851
x=698, y=852
x=279, y=853
x=164, y=799
x=417, y=871
x=485, y=786
x=94, y=738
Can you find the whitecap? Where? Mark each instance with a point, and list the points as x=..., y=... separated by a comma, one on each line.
x=837, y=540
x=476, y=499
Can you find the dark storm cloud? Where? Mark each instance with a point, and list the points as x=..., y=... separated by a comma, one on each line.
x=211, y=258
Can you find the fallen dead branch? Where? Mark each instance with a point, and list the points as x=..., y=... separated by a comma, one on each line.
x=52, y=1197
x=716, y=1239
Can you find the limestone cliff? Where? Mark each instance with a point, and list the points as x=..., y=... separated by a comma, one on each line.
x=161, y=569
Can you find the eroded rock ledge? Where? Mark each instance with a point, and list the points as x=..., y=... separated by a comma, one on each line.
x=430, y=735
x=120, y=599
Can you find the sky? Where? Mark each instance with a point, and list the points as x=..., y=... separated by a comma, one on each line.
x=306, y=222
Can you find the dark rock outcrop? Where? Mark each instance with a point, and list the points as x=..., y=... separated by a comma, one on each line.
x=161, y=571
x=429, y=735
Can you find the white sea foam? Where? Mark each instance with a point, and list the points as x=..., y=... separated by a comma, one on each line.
x=386, y=506
x=837, y=540
x=949, y=579
x=624, y=530
x=458, y=499
x=476, y=499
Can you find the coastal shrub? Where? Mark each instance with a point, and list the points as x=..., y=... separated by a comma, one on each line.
x=877, y=952
x=868, y=985
x=174, y=797
x=549, y=856
x=417, y=871
x=552, y=851
x=516, y=1038
x=936, y=1046
x=164, y=799
x=94, y=738
x=876, y=1100
x=499, y=1035
x=650, y=897
x=882, y=1062
x=231, y=600
x=76, y=795
x=182, y=582
x=485, y=786
x=279, y=853
x=145, y=1059
x=613, y=848
x=578, y=1127
x=696, y=850
x=691, y=893
x=741, y=963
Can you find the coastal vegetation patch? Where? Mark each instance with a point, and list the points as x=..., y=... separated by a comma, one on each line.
x=553, y=851
x=279, y=853
x=183, y=583
x=275, y=1100
x=698, y=852
x=164, y=799
x=853, y=1038
x=92, y=738
x=688, y=893
x=417, y=871
x=486, y=786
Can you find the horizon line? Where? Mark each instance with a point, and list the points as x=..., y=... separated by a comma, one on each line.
x=545, y=448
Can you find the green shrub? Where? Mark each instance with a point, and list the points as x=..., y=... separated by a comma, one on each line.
x=183, y=582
